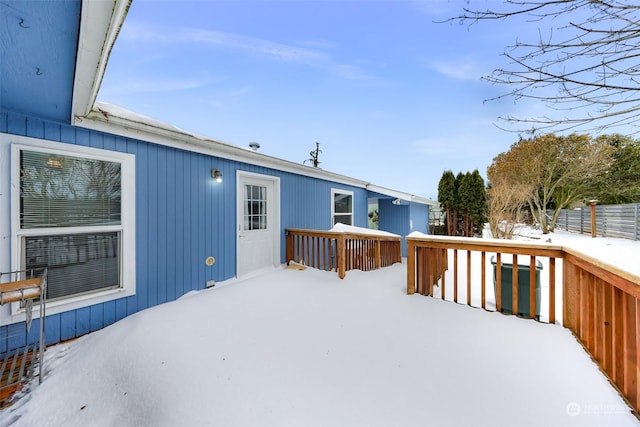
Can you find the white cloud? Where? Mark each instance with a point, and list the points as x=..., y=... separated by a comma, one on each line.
x=236, y=41
x=160, y=85
x=313, y=55
x=461, y=69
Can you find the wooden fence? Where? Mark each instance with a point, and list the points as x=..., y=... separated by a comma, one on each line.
x=621, y=221
x=599, y=302
x=340, y=251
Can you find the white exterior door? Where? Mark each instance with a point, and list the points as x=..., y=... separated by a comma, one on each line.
x=258, y=224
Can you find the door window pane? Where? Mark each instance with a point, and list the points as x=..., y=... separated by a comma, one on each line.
x=255, y=208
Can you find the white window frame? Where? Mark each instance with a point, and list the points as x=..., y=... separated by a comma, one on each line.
x=335, y=191
x=126, y=228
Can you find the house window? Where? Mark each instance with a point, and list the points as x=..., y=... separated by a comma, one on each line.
x=73, y=218
x=341, y=207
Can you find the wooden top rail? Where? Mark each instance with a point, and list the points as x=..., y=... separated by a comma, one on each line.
x=20, y=284
x=20, y=290
x=618, y=277
x=490, y=245
x=347, y=235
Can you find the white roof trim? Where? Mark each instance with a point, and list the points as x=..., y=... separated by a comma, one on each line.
x=100, y=23
x=401, y=195
x=118, y=121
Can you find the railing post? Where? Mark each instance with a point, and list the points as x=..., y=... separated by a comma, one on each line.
x=378, y=257
x=342, y=256
x=289, y=246
x=411, y=267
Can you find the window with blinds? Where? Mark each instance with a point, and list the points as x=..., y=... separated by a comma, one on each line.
x=70, y=221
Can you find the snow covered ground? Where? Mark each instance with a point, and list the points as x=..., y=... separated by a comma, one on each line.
x=304, y=348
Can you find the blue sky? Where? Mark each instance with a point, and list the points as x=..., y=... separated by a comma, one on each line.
x=393, y=97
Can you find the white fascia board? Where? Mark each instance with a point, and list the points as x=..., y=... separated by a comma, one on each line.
x=100, y=23
x=144, y=129
x=400, y=195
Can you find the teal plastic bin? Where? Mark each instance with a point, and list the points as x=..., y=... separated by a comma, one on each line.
x=524, y=300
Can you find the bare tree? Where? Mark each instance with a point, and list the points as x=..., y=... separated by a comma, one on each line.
x=314, y=156
x=505, y=203
x=588, y=50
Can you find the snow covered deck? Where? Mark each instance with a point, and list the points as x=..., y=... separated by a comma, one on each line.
x=304, y=348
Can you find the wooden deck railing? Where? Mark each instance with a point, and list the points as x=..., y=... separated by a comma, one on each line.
x=599, y=302
x=340, y=252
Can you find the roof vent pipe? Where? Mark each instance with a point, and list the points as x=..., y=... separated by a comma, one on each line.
x=254, y=146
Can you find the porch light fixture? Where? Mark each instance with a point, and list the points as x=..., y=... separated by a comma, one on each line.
x=216, y=174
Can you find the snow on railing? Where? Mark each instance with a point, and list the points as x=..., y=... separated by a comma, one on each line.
x=597, y=301
x=343, y=248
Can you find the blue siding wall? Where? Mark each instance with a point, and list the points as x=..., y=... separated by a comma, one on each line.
x=403, y=219
x=182, y=217
x=419, y=217
x=394, y=219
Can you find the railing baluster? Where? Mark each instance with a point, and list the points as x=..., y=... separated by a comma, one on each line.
x=498, y=285
x=630, y=360
x=608, y=331
x=514, y=285
x=455, y=275
x=327, y=254
x=552, y=290
x=584, y=306
x=533, y=304
x=591, y=308
x=598, y=297
x=483, y=280
x=618, y=336
x=636, y=379
x=431, y=270
x=442, y=270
